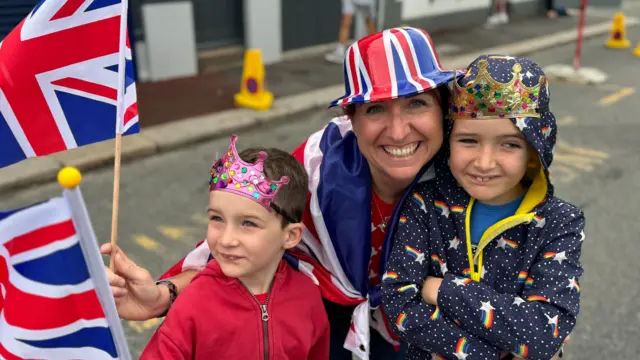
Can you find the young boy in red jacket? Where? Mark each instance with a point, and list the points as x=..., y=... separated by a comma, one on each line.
x=248, y=303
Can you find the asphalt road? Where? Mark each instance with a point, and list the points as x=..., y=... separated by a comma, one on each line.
x=597, y=167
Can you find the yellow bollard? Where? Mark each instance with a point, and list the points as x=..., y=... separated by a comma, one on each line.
x=618, y=37
x=252, y=92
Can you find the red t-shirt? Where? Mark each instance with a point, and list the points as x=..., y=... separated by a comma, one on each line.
x=377, y=235
x=262, y=298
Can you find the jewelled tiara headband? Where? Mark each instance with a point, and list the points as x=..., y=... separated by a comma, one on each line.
x=487, y=98
x=231, y=174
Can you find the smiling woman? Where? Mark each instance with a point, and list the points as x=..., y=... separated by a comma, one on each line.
x=359, y=168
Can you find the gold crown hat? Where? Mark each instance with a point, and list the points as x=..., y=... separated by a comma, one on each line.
x=497, y=86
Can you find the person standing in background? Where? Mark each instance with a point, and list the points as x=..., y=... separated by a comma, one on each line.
x=349, y=7
x=500, y=15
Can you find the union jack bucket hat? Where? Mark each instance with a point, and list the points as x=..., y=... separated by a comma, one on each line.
x=389, y=64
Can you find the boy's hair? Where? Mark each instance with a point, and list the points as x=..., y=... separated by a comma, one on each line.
x=292, y=197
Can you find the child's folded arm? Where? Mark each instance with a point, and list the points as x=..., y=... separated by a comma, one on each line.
x=539, y=321
x=415, y=321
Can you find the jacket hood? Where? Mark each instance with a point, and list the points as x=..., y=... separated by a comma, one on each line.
x=498, y=86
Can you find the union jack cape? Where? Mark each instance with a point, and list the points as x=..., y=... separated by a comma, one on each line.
x=60, y=79
x=340, y=207
x=55, y=302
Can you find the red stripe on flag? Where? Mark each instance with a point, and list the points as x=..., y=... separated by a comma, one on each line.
x=37, y=312
x=132, y=112
x=88, y=87
x=69, y=8
x=5, y=354
x=328, y=290
x=40, y=237
x=406, y=51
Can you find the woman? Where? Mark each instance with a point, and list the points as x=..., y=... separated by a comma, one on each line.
x=359, y=168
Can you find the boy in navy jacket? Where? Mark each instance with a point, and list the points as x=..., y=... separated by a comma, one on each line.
x=485, y=261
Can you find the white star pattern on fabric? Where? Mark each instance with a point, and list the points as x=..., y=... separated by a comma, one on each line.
x=541, y=223
x=461, y=355
x=572, y=283
x=372, y=274
x=420, y=259
x=400, y=327
x=528, y=74
x=374, y=251
x=552, y=320
x=521, y=123
x=446, y=212
x=560, y=257
x=518, y=300
x=502, y=243
x=486, y=306
x=454, y=243
x=483, y=272
x=373, y=227
x=443, y=268
x=459, y=281
x=582, y=236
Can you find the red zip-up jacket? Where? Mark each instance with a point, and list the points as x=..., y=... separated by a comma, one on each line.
x=216, y=317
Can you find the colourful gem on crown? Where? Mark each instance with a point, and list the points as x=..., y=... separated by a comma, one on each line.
x=486, y=98
x=231, y=174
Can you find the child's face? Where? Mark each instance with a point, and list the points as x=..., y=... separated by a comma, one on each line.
x=246, y=239
x=489, y=159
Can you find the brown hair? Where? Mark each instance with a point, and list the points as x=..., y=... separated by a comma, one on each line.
x=292, y=197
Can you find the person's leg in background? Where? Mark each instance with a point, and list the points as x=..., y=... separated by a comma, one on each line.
x=500, y=16
x=551, y=11
x=337, y=56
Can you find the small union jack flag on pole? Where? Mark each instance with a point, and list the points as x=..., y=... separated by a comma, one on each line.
x=66, y=79
x=55, y=300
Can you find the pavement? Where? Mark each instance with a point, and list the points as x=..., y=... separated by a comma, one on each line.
x=182, y=112
x=596, y=166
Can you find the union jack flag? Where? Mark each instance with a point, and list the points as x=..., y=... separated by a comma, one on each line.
x=59, y=79
x=50, y=307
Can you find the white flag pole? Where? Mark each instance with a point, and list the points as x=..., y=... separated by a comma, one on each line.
x=120, y=109
x=70, y=178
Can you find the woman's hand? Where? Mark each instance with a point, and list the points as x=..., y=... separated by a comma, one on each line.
x=136, y=294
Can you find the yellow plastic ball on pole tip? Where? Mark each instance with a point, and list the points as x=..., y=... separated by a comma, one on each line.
x=69, y=177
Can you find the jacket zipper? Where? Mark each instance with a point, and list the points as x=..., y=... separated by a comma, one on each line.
x=265, y=318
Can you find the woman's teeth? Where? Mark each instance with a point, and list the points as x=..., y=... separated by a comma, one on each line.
x=404, y=151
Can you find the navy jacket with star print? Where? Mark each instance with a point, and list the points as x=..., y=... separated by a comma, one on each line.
x=518, y=291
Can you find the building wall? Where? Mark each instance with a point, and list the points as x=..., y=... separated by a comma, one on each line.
x=12, y=12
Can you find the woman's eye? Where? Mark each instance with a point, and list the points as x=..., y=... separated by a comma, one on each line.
x=215, y=218
x=512, y=146
x=374, y=109
x=248, y=223
x=467, y=141
x=417, y=103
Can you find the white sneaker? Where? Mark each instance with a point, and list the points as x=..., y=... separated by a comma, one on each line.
x=493, y=20
x=503, y=18
x=336, y=56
